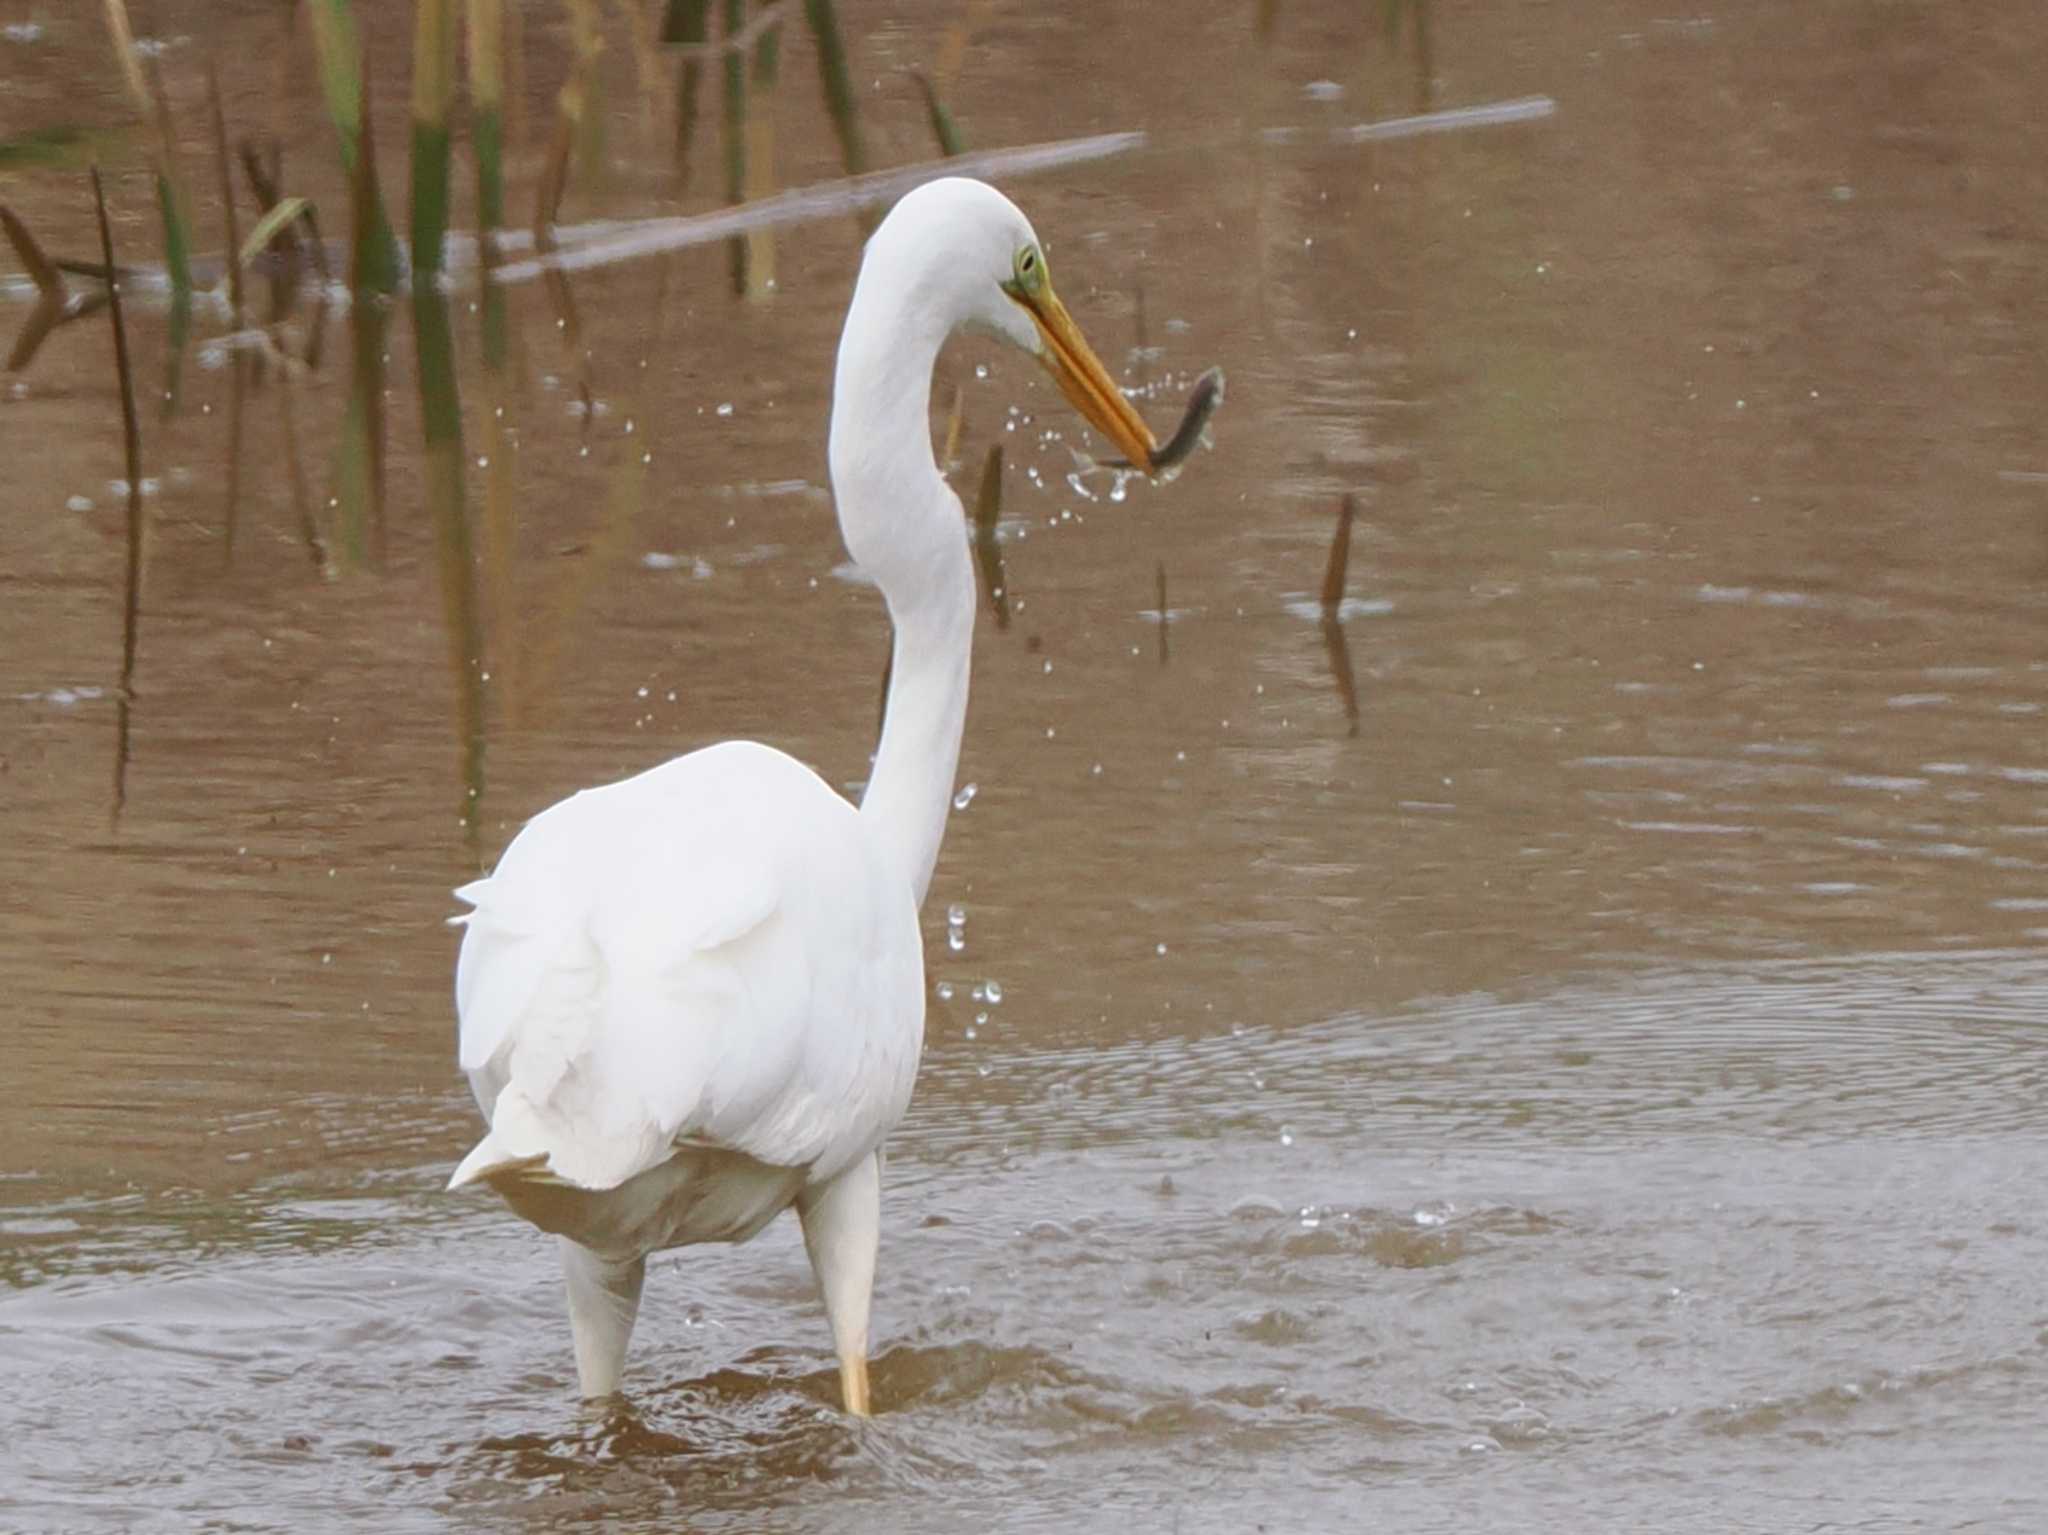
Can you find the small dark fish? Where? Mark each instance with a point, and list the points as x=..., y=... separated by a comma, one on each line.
x=1202, y=402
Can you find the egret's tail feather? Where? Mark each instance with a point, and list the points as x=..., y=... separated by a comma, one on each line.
x=490, y=1161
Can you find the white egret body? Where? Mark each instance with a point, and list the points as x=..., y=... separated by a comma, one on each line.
x=695, y=998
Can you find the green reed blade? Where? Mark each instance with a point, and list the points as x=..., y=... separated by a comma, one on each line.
x=267, y=228
x=441, y=432
x=487, y=108
x=487, y=138
x=224, y=168
x=734, y=64
x=838, y=86
x=373, y=263
x=359, y=477
x=944, y=129
x=433, y=89
x=346, y=87
x=57, y=147
x=760, y=166
x=688, y=22
x=177, y=337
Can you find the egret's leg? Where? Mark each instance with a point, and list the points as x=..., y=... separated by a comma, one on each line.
x=842, y=1223
x=604, y=1298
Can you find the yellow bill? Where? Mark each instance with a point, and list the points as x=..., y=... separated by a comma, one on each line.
x=1083, y=379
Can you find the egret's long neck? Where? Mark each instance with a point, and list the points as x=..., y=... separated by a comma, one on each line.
x=902, y=525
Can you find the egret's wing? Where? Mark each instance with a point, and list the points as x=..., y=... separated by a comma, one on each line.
x=708, y=951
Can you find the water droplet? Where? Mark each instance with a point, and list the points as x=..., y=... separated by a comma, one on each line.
x=725, y=408
x=1287, y=1135
x=969, y=1031
x=1161, y=949
x=981, y=370
x=944, y=990
x=982, y=1069
x=956, y=940
x=79, y=504
x=1096, y=771
x=956, y=914
x=981, y=1021
x=993, y=991
x=965, y=797
x=640, y=693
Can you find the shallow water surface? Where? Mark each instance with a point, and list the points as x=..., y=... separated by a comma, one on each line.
x=1561, y=1045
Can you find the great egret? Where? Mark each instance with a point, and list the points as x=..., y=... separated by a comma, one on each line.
x=694, y=998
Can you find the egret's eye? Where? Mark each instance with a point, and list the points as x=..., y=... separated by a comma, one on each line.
x=1029, y=278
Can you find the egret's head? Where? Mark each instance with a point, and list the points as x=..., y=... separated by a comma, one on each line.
x=975, y=248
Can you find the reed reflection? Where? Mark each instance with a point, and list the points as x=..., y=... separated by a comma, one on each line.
x=1335, y=645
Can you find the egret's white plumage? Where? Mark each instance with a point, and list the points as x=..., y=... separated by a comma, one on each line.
x=693, y=998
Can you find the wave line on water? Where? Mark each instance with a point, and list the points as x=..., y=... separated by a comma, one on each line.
x=1522, y=109
x=802, y=204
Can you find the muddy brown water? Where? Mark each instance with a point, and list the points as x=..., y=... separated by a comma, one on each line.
x=1602, y=1089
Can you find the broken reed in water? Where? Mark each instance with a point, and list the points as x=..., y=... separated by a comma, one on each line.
x=1340, y=556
